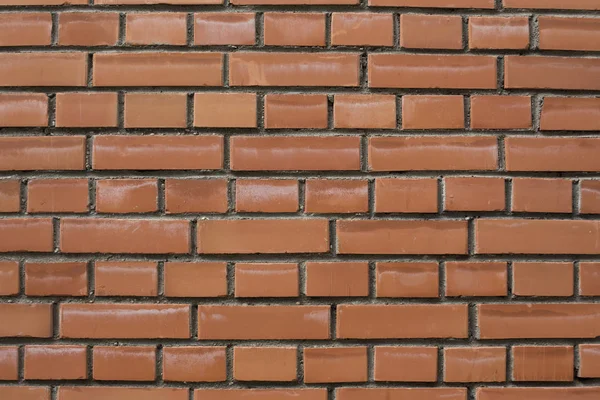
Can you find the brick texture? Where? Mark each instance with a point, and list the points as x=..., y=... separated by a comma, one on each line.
x=299, y=199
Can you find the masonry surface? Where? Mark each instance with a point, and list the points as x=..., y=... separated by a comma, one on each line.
x=299, y=199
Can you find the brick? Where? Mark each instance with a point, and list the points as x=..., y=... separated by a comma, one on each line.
x=337, y=196
x=224, y=28
x=569, y=33
x=195, y=196
x=270, y=364
x=263, y=322
x=542, y=195
x=335, y=364
x=337, y=279
x=56, y=279
x=157, y=69
x=9, y=278
x=10, y=195
x=307, y=111
x=432, y=71
x=225, y=110
x=155, y=110
x=431, y=31
x=266, y=195
x=476, y=364
x=149, y=2
x=499, y=32
x=407, y=279
x=112, y=235
x=88, y=28
x=157, y=152
x=26, y=320
x=538, y=393
x=589, y=361
x=23, y=109
x=156, y=28
x=516, y=321
x=364, y=111
x=383, y=393
x=434, y=4
x=543, y=363
x=567, y=154
x=402, y=195
x=25, y=29
x=501, y=112
x=83, y=110
x=124, y=363
x=291, y=69
x=263, y=236
x=43, y=69
x=251, y=153
x=474, y=194
x=294, y=29
x=476, y=279
x=57, y=195
x=433, y=112
x=570, y=114
x=373, y=321
x=25, y=392
x=122, y=320
x=127, y=278
x=9, y=364
x=262, y=394
x=405, y=364
x=49, y=153
x=266, y=280
x=194, y=364
x=553, y=5
x=589, y=279
x=120, y=392
x=55, y=362
x=546, y=72
x=543, y=279
x=520, y=236
x=121, y=196
x=293, y=2
x=402, y=237
x=26, y=234
x=195, y=279
x=431, y=153
x=362, y=29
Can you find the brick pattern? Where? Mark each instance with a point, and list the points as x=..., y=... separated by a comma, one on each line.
x=299, y=199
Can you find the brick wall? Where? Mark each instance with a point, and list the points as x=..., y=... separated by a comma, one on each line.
x=299, y=199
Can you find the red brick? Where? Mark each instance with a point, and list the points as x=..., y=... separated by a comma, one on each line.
x=26, y=320
x=195, y=279
x=126, y=278
x=155, y=110
x=335, y=364
x=546, y=72
x=56, y=279
x=25, y=29
x=401, y=237
x=542, y=279
x=364, y=111
x=82, y=110
x=156, y=28
x=362, y=29
x=111, y=235
x=569, y=33
x=122, y=196
x=10, y=195
x=474, y=364
x=26, y=234
x=542, y=195
x=55, y=362
x=9, y=364
x=88, y=29
x=25, y=392
x=124, y=363
x=407, y=279
x=9, y=278
x=57, y=195
x=431, y=31
x=433, y=112
x=499, y=32
x=474, y=194
x=337, y=196
x=358, y=321
x=401, y=195
x=263, y=236
x=194, y=364
x=225, y=110
x=501, y=112
x=552, y=154
x=589, y=361
x=275, y=364
x=263, y=322
x=124, y=320
x=570, y=114
x=405, y=364
x=434, y=3
x=543, y=363
x=224, y=28
x=337, y=279
x=195, y=196
x=266, y=280
x=262, y=394
x=50, y=153
x=294, y=29
x=553, y=5
x=307, y=111
x=589, y=279
x=23, y=109
x=120, y=392
x=476, y=279
x=382, y=393
x=266, y=195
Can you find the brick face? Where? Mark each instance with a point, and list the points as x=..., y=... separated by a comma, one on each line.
x=299, y=199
